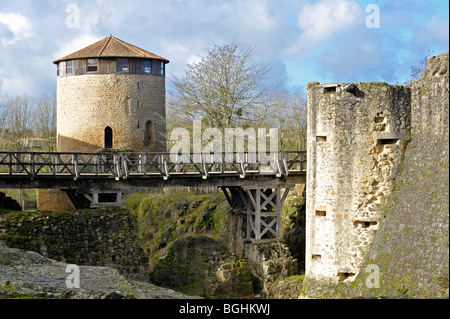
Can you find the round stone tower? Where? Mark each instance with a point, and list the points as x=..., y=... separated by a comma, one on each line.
x=111, y=94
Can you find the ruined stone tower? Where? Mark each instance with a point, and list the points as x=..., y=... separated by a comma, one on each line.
x=110, y=95
x=356, y=140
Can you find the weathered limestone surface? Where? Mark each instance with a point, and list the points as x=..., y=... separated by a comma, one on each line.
x=405, y=190
x=411, y=248
x=356, y=140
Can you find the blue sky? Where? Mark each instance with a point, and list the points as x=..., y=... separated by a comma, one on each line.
x=301, y=40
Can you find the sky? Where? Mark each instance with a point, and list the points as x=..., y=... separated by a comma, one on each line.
x=300, y=41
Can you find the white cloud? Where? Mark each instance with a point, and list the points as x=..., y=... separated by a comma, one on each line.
x=19, y=25
x=254, y=15
x=75, y=44
x=325, y=18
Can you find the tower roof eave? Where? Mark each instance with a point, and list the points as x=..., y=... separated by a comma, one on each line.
x=111, y=47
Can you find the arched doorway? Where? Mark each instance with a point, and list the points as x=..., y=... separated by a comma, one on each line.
x=149, y=135
x=108, y=137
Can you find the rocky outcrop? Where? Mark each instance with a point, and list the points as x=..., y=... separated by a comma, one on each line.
x=26, y=274
x=202, y=266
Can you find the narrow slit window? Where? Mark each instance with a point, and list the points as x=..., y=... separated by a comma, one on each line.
x=321, y=213
x=388, y=141
x=343, y=276
x=57, y=70
x=322, y=138
x=69, y=67
x=122, y=65
x=147, y=66
x=379, y=119
x=364, y=224
x=92, y=65
x=162, y=68
x=330, y=89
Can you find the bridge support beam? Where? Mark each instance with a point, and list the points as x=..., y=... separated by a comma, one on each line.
x=262, y=208
x=96, y=200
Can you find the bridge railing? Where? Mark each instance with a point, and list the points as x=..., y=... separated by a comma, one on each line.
x=125, y=165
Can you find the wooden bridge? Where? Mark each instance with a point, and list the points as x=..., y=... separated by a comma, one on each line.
x=255, y=185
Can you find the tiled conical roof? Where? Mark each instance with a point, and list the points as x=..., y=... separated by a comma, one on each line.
x=111, y=47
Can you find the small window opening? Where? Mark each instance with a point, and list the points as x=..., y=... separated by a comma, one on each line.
x=57, y=70
x=379, y=119
x=92, y=65
x=316, y=257
x=69, y=67
x=364, y=224
x=108, y=137
x=147, y=66
x=331, y=89
x=162, y=68
x=138, y=86
x=122, y=65
x=345, y=275
x=321, y=138
x=321, y=213
x=388, y=141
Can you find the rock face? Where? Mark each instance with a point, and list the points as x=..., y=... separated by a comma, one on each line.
x=25, y=274
x=202, y=266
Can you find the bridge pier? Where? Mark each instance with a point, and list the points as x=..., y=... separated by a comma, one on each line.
x=261, y=207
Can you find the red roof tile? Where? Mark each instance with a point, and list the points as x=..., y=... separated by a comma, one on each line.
x=111, y=47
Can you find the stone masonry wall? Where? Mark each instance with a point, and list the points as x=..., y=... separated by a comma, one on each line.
x=356, y=139
x=101, y=237
x=411, y=249
x=87, y=104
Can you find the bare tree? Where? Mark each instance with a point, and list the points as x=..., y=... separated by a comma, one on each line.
x=20, y=112
x=222, y=87
x=4, y=115
x=44, y=121
x=417, y=70
x=287, y=111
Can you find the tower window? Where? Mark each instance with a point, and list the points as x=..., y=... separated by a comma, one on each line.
x=149, y=137
x=122, y=65
x=147, y=66
x=162, y=68
x=57, y=70
x=92, y=65
x=69, y=67
x=108, y=137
